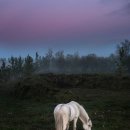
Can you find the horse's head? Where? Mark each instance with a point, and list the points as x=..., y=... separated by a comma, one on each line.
x=88, y=126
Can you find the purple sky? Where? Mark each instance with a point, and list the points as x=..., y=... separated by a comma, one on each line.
x=86, y=26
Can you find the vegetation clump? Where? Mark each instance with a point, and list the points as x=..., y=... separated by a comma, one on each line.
x=35, y=87
x=58, y=87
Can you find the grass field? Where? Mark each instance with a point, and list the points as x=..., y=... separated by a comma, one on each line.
x=109, y=109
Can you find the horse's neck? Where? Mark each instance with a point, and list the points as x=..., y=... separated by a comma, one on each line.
x=83, y=115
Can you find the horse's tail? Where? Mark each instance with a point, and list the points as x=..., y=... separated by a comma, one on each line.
x=58, y=121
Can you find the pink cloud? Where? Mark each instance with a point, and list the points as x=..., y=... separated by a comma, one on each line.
x=28, y=20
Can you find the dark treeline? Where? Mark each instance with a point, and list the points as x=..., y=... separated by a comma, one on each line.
x=16, y=67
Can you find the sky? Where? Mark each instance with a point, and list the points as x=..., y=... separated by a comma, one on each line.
x=84, y=26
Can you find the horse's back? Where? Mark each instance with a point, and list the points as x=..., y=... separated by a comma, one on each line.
x=74, y=102
x=70, y=109
x=74, y=108
x=61, y=109
x=57, y=108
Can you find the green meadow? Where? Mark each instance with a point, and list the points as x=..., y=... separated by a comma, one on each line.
x=28, y=104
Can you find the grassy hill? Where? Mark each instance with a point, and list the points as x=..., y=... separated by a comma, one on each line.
x=28, y=104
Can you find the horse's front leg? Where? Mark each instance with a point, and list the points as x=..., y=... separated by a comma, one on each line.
x=75, y=122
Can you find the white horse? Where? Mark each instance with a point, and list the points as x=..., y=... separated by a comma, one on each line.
x=64, y=113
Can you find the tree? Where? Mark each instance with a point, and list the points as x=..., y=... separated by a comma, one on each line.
x=47, y=61
x=37, y=62
x=4, y=70
x=12, y=63
x=3, y=66
x=19, y=66
x=123, y=54
x=60, y=61
x=16, y=67
x=28, y=66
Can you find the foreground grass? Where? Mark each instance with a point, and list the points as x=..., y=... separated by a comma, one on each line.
x=108, y=109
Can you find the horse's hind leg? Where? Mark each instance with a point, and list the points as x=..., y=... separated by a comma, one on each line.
x=75, y=122
x=67, y=128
